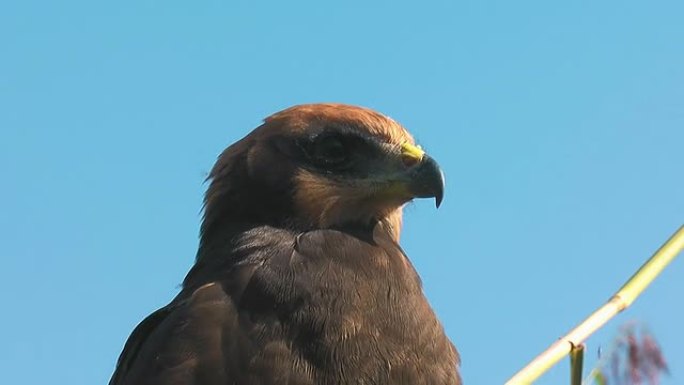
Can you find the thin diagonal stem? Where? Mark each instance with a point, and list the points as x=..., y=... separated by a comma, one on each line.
x=617, y=303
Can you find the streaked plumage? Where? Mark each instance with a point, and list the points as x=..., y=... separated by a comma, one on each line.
x=299, y=278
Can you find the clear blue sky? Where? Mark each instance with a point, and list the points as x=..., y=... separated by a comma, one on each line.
x=560, y=128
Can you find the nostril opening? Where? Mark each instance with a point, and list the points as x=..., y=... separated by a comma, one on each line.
x=409, y=160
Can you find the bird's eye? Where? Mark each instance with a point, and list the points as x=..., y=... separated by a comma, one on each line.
x=330, y=150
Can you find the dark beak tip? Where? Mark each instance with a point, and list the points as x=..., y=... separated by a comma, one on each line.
x=427, y=180
x=440, y=194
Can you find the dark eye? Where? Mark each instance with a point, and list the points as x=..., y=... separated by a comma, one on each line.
x=330, y=150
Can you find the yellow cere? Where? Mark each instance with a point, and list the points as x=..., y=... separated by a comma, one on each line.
x=409, y=150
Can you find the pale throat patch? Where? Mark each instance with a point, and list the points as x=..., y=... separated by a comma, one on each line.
x=325, y=202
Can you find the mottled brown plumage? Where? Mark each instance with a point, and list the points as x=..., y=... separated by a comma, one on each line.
x=299, y=278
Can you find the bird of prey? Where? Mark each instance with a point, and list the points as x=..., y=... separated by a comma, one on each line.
x=299, y=278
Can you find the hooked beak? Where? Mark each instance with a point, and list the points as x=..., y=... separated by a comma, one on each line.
x=428, y=180
x=425, y=178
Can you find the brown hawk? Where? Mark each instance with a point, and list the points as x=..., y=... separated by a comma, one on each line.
x=299, y=278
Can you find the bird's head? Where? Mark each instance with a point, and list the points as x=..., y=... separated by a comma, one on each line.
x=321, y=166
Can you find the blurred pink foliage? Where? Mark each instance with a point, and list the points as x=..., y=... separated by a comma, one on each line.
x=634, y=358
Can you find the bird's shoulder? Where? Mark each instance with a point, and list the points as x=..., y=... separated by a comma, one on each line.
x=279, y=305
x=168, y=345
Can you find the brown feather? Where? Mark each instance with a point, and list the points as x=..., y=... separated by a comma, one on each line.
x=299, y=278
x=306, y=117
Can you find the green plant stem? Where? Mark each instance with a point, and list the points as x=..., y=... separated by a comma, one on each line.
x=576, y=363
x=617, y=303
